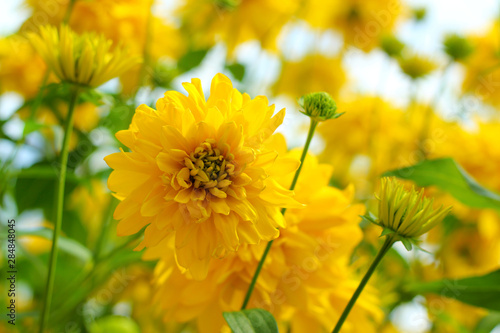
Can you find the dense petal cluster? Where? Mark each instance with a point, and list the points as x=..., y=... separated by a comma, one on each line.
x=306, y=280
x=197, y=172
x=407, y=213
x=85, y=59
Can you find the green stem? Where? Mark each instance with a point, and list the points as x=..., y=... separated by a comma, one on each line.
x=59, y=211
x=310, y=135
x=69, y=10
x=387, y=245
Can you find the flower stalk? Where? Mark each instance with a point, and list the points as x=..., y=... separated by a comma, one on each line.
x=381, y=253
x=310, y=134
x=59, y=210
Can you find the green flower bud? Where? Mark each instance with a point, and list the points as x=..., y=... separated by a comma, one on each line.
x=405, y=214
x=419, y=14
x=320, y=106
x=457, y=47
x=416, y=66
x=391, y=46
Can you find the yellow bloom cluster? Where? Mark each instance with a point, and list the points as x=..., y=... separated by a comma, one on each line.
x=197, y=170
x=305, y=281
x=21, y=68
x=312, y=73
x=361, y=22
x=236, y=21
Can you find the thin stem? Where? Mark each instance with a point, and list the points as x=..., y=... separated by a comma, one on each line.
x=387, y=245
x=67, y=15
x=59, y=211
x=310, y=135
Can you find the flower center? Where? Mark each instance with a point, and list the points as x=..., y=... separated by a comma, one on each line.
x=209, y=169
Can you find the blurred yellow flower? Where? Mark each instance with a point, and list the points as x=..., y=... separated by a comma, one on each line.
x=85, y=60
x=361, y=22
x=312, y=73
x=481, y=68
x=117, y=20
x=236, y=22
x=21, y=68
x=305, y=281
x=383, y=139
x=197, y=169
x=90, y=202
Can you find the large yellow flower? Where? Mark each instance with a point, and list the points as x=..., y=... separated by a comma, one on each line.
x=197, y=170
x=305, y=281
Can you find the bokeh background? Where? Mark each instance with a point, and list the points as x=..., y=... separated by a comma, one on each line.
x=400, y=109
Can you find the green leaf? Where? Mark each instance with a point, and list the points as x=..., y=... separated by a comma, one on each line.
x=449, y=176
x=238, y=70
x=35, y=187
x=251, y=321
x=112, y=324
x=191, y=60
x=386, y=231
x=488, y=323
x=406, y=242
x=32, y=126
x=67, y=245
x=482, y=291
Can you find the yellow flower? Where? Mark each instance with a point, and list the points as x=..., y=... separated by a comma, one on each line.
x=117, y=20
x=21, y=70
x=236, y=22
x=86, y=60
x=90, y=202
x=416, y=66
x=481, y=68
x=305, y=281
x=313, y=73
x=406, y=213
x=361, y=22
x=197, y=171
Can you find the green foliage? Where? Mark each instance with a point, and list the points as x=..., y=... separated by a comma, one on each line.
x=191, y=60
x=251, y=321
x=67, y=245
x=449, y=176
x=112, y=324
x=488, y=323
x=238, y=70
x=35, y=188
x=482, y=291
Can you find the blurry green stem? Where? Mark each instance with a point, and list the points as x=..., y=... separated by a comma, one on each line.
x=67, y=15
x=310, y=135
x=59, y=210
x=146, y=54
x=387, y=245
